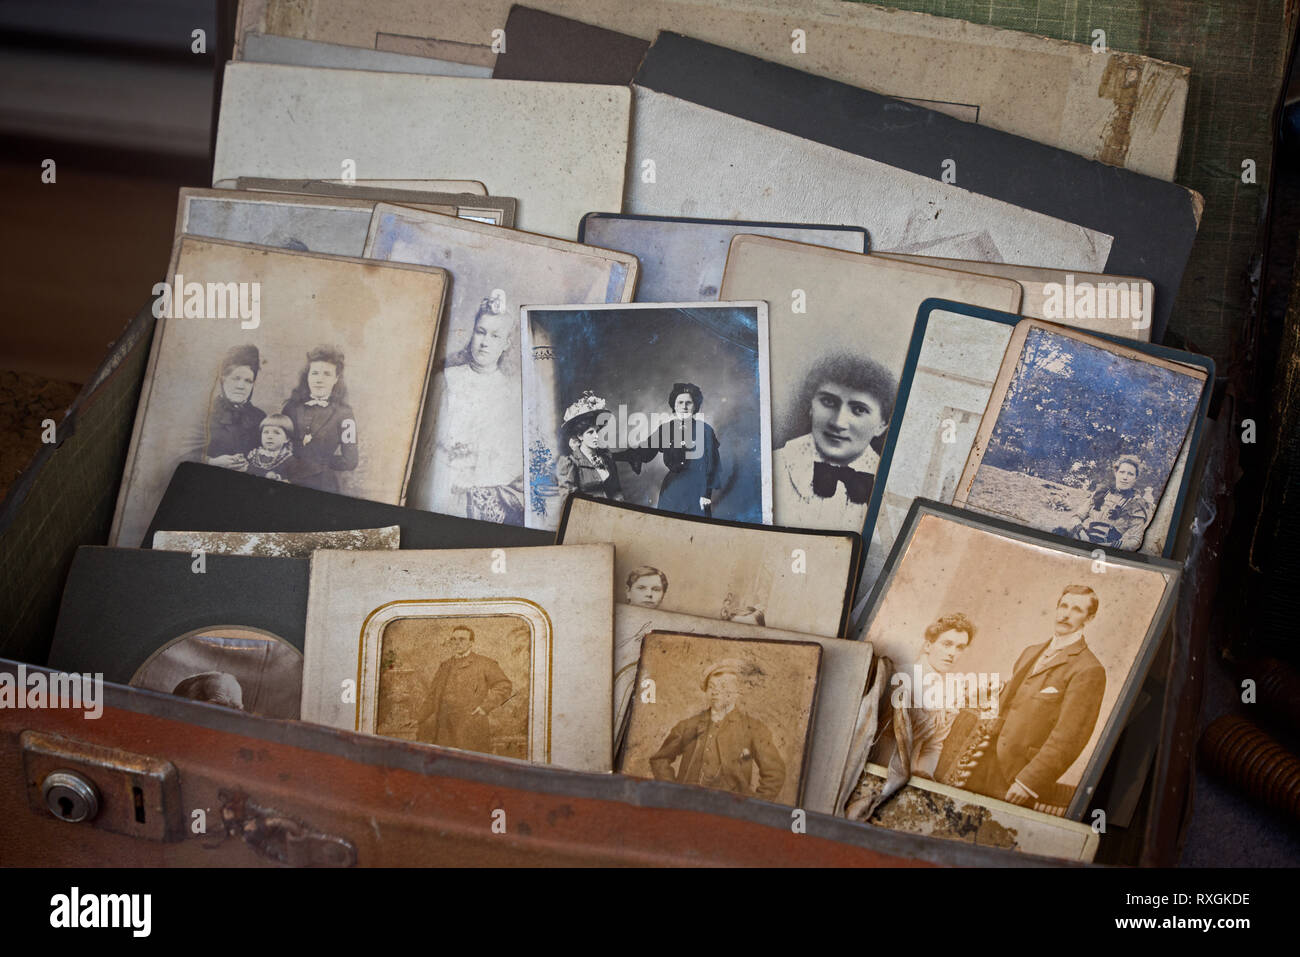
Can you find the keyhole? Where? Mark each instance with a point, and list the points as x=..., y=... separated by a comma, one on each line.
x=65, y=805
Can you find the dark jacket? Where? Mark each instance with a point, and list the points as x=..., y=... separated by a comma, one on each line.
x=318, y=447
x=232, y=429
x=743, y=741
x=575, y=471
x=693, y=473
x=1048, y=715
x=459, y=687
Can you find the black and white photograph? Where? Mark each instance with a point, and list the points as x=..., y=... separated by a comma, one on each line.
x=664, y=405
x=1016, y=657
x=320, y=385
x=470, y=460
x=840, y=326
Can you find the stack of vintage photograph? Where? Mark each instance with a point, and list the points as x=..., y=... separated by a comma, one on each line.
x=658, y=392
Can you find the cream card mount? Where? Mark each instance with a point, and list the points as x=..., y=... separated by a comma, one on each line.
x=485, y=650
x=560, y=148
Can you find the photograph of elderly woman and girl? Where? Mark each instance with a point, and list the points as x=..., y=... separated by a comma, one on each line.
x=311, y=440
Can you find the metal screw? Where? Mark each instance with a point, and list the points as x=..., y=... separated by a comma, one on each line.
x=70, y=797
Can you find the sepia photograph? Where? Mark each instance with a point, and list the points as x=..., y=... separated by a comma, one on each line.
x=791, y=579
x=457, y=681
x=469, y=456
x=277, y=544
x=1016, y=657
x=663, y=405
x=682, y=260
x=841, y=324
x=845, y=668
x=730, y=714
x=243, y=668
x=461, y=648
x=1082, y=436
x=319, y=382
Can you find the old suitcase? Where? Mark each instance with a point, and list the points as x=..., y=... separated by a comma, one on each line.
x=184, y=783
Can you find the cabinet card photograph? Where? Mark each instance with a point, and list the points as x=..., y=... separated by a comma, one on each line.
x=490, y=650
x=940, y=810
x=470, y=459
x=683, y=259
x=784, y=578
x=1082, y=435
x=663, y=405
x=278, y=544
x=315, y=224
x=297, y=367
x=840, y=325
x=731, y=714
x=845, y=668
x=236, y=667
x=1017, y=656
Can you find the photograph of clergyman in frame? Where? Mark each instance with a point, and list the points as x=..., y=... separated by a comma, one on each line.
x=1081, y=437
x=726, y=713
x=234, y=666
x=780, y=578
x=459, y=682
x=1015, y=659
x=662, y=405
x=321, y=386
x=470, y=460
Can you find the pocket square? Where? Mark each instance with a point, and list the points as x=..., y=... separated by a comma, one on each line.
x=1049, y=691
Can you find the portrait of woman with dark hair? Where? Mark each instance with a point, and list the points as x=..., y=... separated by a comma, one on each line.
x=1116, y=513
x=690, y=450
x=823, y=478
x=323, y=423
x=233, y=424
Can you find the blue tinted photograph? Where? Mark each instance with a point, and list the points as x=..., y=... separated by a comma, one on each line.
x=1086, y=440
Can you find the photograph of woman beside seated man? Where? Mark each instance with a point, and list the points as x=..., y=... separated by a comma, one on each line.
x=308, y=442
x=689, y=447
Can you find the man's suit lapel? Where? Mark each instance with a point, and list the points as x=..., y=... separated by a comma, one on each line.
x=1066, y=655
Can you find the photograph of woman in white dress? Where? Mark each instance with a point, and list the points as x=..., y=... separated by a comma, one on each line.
x=475, y=469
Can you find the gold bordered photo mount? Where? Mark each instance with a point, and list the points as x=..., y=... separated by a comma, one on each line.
x=496, y=650
x=789, y=578
x=730, y=714
x=1032, y=648
x=502, y=652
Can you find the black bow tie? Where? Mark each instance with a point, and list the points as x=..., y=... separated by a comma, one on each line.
x=856, y=484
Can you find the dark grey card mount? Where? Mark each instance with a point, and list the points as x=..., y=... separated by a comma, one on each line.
x=1153, y=222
